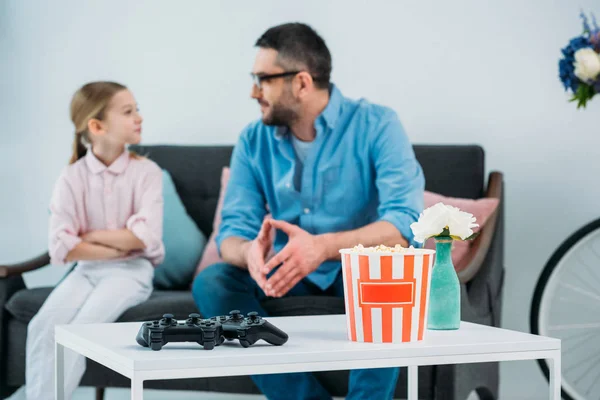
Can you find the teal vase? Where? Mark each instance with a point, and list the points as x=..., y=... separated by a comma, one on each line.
x=444, y=297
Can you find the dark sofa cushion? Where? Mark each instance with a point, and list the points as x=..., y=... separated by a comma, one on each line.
x=24, y=304
x=453, y=170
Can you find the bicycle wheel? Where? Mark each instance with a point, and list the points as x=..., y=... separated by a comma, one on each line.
x=566, y=305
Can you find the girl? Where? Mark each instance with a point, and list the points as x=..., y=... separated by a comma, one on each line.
x=106, y=214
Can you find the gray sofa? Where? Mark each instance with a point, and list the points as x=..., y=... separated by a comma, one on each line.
x=456, y=171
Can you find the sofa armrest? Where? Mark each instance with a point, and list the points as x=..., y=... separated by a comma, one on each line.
x=9, y=285
x=481, y=246
x=40, y=261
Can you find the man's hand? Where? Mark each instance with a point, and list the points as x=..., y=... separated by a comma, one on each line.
x=301, y=255
x=256, y=253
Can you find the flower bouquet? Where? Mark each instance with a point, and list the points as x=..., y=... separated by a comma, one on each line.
x=444, y=223
x=579, y=69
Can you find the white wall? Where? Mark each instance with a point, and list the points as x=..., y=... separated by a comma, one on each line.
x=456, y=72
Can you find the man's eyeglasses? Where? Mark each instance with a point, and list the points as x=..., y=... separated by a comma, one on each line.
x=259, y=79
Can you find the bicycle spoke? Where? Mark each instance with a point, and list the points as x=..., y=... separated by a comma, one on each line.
x=573, y=326
x=591, y=282
x=563, y=300
x=588, y=371
x=569, y=339
x=590, y=269
x=584, y=283
x=594, y=382
x=596, y=253
x=594, y=357
x=586, y=338
x=581, y=291
x=576, y=264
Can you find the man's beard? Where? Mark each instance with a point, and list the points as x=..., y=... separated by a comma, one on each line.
x=280, y=115
x=283, y=113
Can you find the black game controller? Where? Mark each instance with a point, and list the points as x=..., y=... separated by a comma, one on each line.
x=210, y=332
x=156, y=334
x=250, y=329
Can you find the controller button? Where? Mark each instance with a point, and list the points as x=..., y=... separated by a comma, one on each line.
x=194, y=318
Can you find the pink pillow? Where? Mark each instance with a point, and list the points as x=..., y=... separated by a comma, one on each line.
x=211, y=253
x=481, y=209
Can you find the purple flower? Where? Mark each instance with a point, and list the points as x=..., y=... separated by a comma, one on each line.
x=595, y=34
x=586, y=26
x=595, y=41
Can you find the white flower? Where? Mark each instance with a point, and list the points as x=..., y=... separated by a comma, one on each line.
x=587, y=64
x=460, y=223
x=436, y=218
x=431, y=222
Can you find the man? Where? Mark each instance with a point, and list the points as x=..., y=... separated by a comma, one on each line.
x=334, y=173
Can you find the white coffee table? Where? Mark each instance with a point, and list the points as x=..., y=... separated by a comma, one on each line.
x=316, y=343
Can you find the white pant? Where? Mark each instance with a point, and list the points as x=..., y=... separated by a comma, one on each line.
x=95, y=292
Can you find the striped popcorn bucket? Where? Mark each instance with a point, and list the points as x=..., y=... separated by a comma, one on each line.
x=386, y=294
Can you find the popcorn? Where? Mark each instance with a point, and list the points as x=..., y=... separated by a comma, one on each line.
x=383, y=249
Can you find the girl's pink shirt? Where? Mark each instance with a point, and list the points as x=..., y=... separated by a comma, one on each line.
x=90, y=196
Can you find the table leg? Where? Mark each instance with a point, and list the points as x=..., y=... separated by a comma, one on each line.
x=137, y=388
x=555, y=376
x=413, y=382
x=59, y=371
